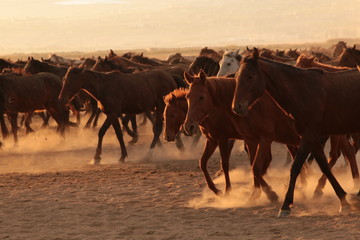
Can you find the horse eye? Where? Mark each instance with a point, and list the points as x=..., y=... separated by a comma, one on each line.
x=250, y=77
x=201, y=97
x=172, y=115
x=229, y=64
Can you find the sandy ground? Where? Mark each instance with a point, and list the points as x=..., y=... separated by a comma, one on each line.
x=50, y=190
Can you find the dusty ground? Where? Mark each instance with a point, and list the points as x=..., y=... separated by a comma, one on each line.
x=50, y=190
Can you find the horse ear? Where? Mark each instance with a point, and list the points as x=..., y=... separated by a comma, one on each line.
x=256, y=54
x=42, y=59
x=237, y=51
x=189, y=79
x=354, y=47
x=28, y=58
x=105, y=59
x=142, y=54
x=247, y=48
x=202, y=76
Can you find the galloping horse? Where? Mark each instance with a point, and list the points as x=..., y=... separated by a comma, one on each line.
x=209, y=106
x=121, y=93
x=321, y=103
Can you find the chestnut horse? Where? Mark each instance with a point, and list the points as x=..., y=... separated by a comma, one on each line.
x=350, y=57
x=209, y=101
x=120, y=94
x=207, y=64
x=321, y=103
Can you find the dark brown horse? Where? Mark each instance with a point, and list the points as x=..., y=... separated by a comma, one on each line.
x=119, y=94
x=321, y=103
x=294, y=54
x=88, y=63
x=105, y=65
x=207, y=52
x=209, y=101
x=145, y=60
x=33, y=93
x=126, y=63
x=7, y=64
x=207, y=64
x=350, y=57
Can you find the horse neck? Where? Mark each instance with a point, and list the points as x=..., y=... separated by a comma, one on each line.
x=281, y=85
x=221, y=91
x=90, y=82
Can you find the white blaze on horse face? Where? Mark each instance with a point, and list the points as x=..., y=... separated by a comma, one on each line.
x=229, y=63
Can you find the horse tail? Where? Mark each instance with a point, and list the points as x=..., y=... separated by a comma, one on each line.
x=179, y=81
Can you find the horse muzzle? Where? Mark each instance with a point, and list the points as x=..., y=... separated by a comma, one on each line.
x=169, y=137
x=240, y=109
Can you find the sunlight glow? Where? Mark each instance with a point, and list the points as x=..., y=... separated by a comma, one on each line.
x=85, y=2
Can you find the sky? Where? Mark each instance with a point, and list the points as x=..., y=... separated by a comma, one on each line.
x=90, y=25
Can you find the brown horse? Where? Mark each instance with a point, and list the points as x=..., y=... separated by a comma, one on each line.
x=207, y=52
x=339, y=143
x=126, y=63
x=145, y=60
x=119, y=94
x=32, y=93
x=339, y=48
x=88, y=63
x=209, y=101
x=350, y=57
x=312, y=62
x=321, y=103
x=294, y=54
x=105, y=65
x=207, y=64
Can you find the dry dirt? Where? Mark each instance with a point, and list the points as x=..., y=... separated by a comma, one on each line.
x=50, y=190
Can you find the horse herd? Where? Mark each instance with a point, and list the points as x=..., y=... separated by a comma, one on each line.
x=259, y=96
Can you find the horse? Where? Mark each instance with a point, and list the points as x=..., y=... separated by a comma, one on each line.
x=339, y=48
x=321, y=103
x=294, y=54
x=34, y=66
x=126, y=63
x=145, y=60
x=350, y=57
x=174, y=116
x=321, y=56
x=207, y=52
x=176, y=58
x=209, y=106
x=55, y=59
x=229, y=63
x=312, y=62
x=106, y=65
x=207, y=64
x=7, y=64
x=88, y=63
x=32, y=93
x=119, y=94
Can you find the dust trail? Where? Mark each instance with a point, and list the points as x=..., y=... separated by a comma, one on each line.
x=278, y=178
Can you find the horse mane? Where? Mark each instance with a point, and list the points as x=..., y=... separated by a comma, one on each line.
x=249, y=59
x=179, y=94
x=221, y=90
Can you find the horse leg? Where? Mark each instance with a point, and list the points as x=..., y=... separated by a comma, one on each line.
x=179, y=143
x=304, y=170
x=93, y=110
x=107, y=123
x=333, y=157
x=119, y=135
x=135, y=132
x=28, y=117
x=97, y=114
x=262, y=154
x=45, y=117
x=310, y=141
x=158, y=124
x=251, y=146
x=196, y=139
x=356, y=141
x=210, y=147
x=230, y=147
x=225, y=152
x=4, y=129
x=14, y=125
x=150, y=116
x=144, y=119
x=349, y=154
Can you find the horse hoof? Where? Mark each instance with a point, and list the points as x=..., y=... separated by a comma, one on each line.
x=345, y=208
x=218, y=193
x=284, y=213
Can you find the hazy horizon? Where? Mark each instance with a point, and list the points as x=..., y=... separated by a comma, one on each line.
x=90, y=25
